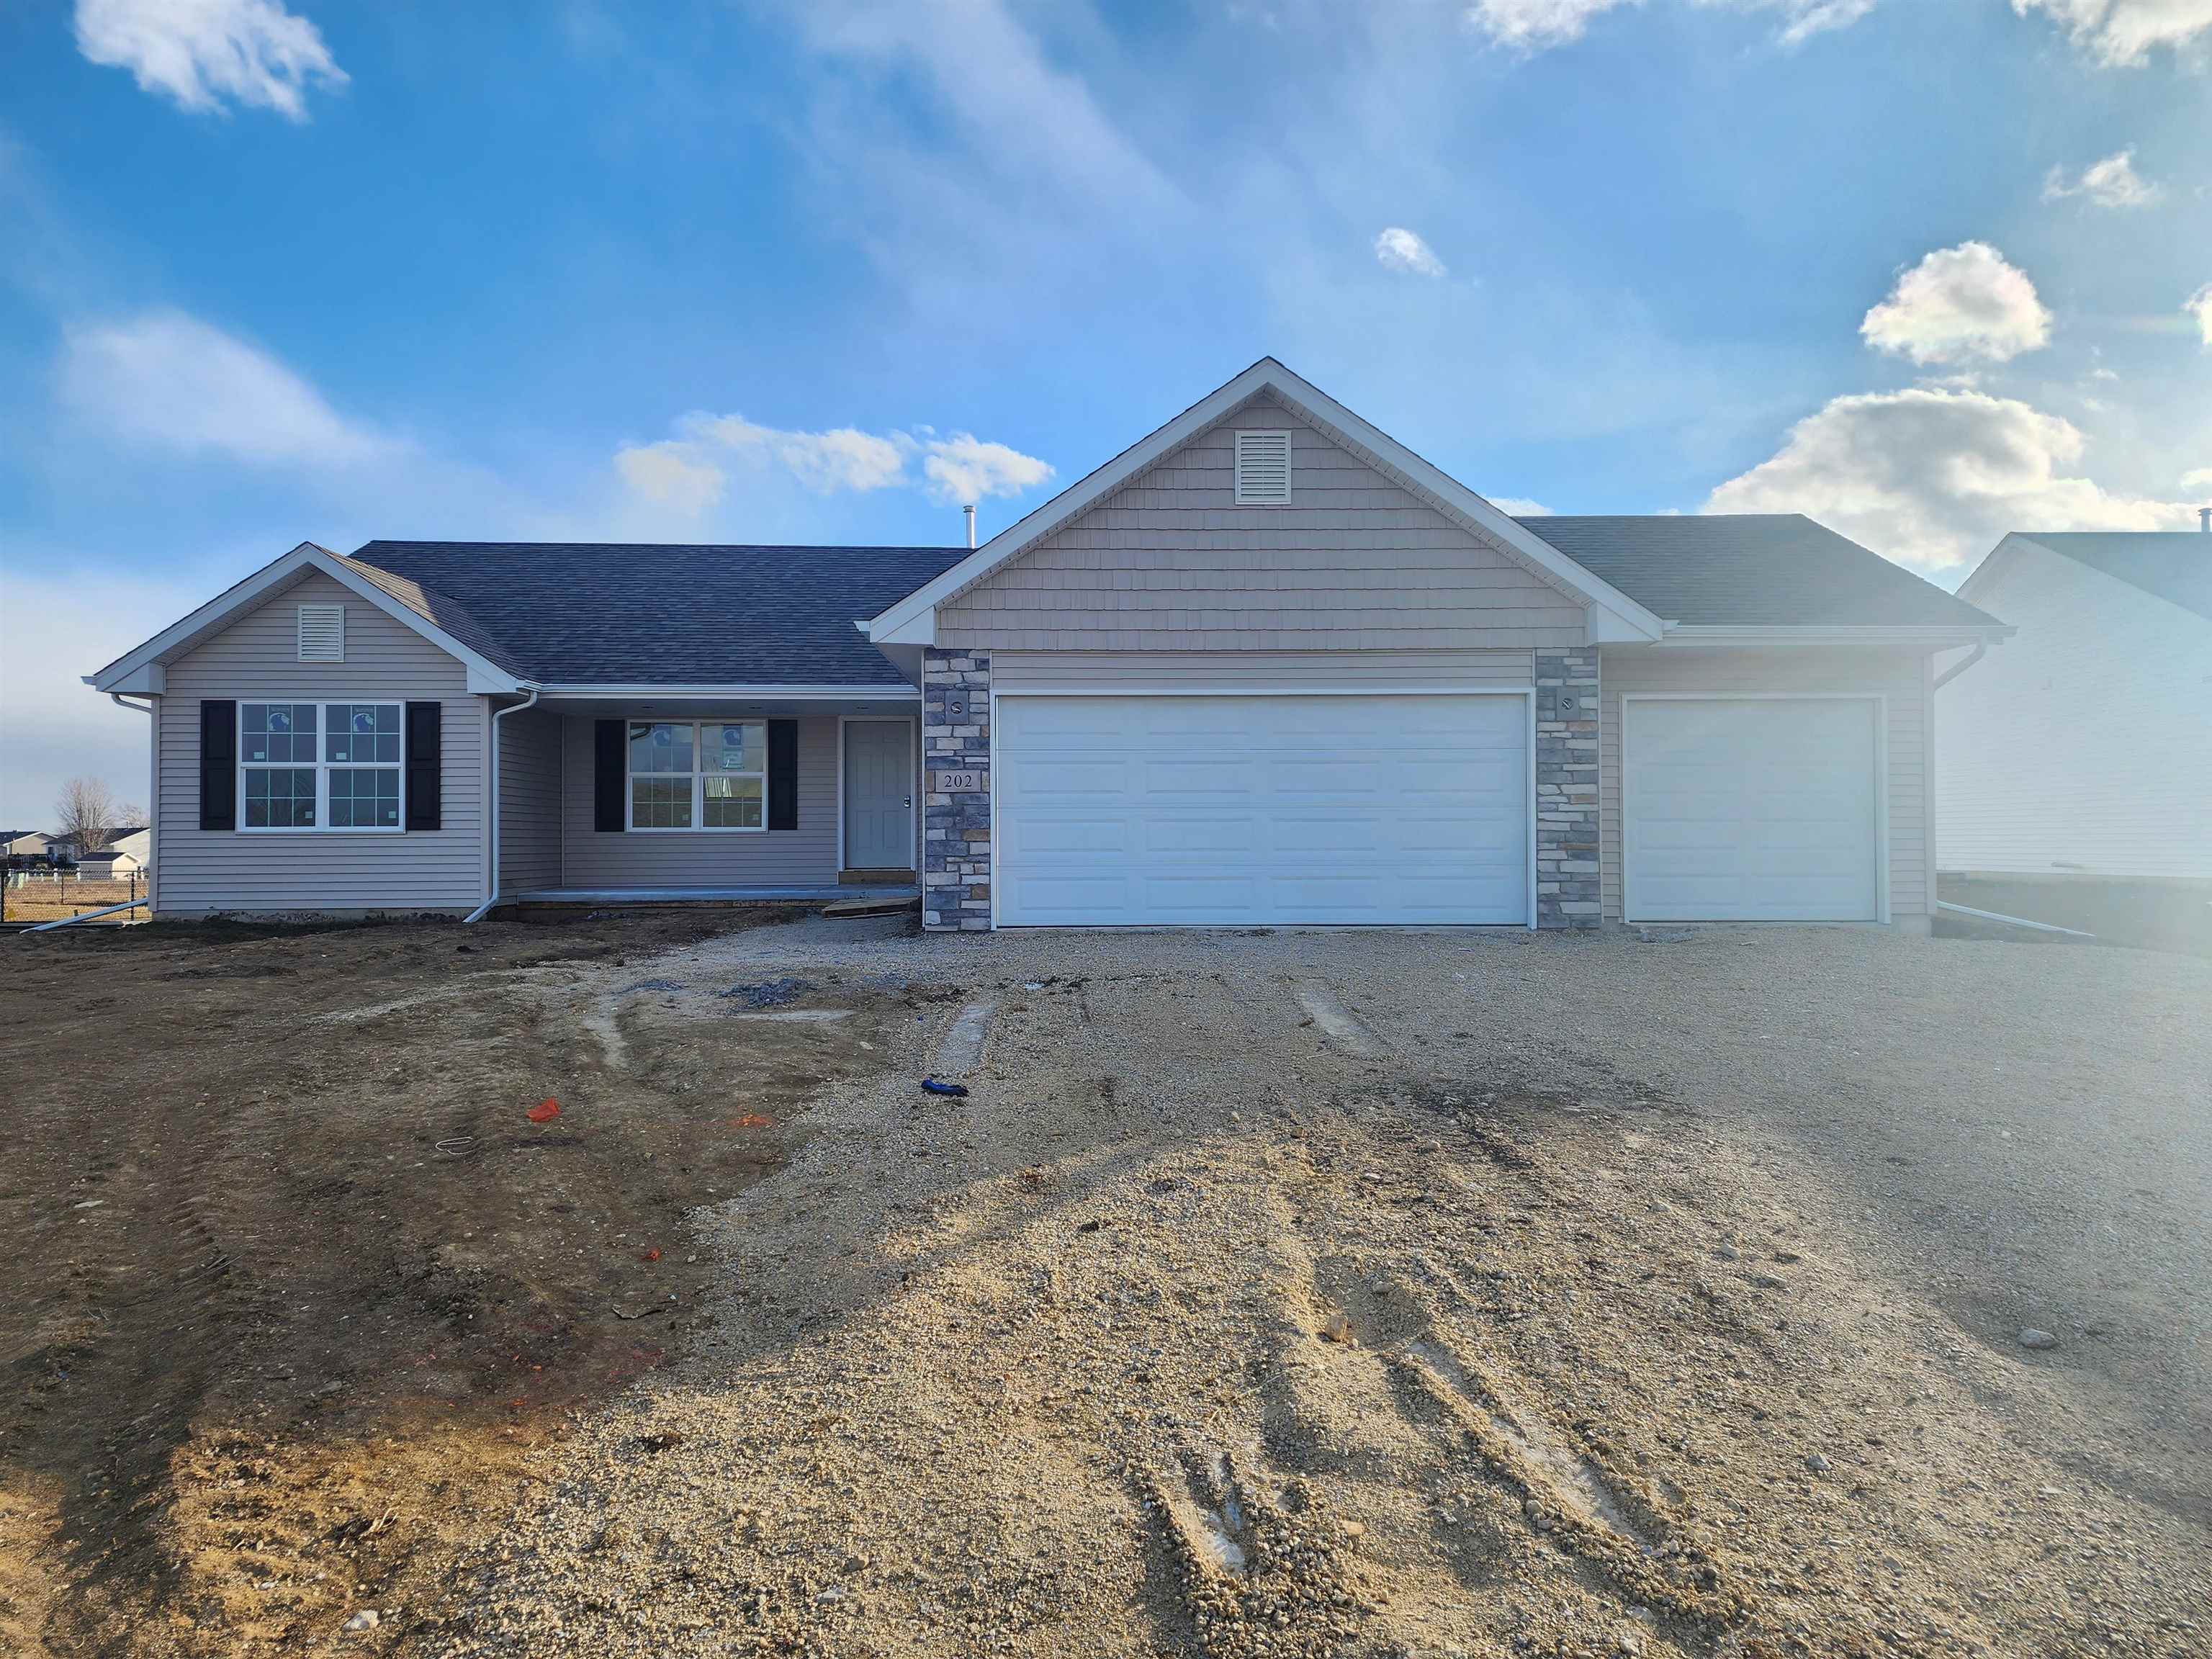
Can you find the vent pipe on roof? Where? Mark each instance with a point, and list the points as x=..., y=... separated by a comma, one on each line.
x=2203, y=521
x=968, y=514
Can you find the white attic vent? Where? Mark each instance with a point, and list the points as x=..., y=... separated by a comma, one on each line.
x=1263, y=469
x=322, y=633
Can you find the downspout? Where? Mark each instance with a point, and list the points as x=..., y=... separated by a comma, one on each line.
x=498, y=715
x=1981, y=649
x=154, y=799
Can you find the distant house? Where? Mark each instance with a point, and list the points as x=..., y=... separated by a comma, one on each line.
x=2073, y=767
x=22, y=845
x=139, y=843
x=109, y=864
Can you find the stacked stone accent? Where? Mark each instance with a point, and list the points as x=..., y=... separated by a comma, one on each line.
x=956, y=825
x=1567, y=788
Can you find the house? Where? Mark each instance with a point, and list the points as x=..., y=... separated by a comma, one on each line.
x=1267, y=666
x=2076, y=765
x=109, y=864
x=28, y=846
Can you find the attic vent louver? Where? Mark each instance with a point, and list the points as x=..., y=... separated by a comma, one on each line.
x=322, y=633
x=1263, y=469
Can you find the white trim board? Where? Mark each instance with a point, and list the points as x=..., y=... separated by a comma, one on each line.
x=141, y=669
x=914, y=807
x=1613, y=615
x=1881, y=701
x=991, y=772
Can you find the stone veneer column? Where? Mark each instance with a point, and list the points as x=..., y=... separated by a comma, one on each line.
x=1567, y=788
x=956, y=825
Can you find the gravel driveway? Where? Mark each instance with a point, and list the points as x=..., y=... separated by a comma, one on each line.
x=1432, y=1293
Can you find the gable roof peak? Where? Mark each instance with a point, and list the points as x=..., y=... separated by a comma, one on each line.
x=912, y=620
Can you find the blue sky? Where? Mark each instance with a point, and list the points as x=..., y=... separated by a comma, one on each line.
x=818, y=269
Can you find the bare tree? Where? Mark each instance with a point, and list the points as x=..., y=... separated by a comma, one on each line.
x=88, y=813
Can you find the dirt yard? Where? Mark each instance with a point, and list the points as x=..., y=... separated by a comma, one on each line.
x=1366, y=1294
x=42, y=900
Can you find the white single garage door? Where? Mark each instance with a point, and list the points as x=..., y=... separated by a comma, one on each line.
x=1221, y=811
x=1751, y=809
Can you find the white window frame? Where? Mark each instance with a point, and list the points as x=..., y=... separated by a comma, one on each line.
x=699, y=774
x=321, y=766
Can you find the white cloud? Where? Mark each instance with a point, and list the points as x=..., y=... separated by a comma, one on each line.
x=1533, y=25
x=688, y=475
x=1934, y=478
x=669, y=476
x=1519, y=506
x=827, y=463
x=2111, y=183
x=2120, y=32
x=200, y=53
x=168, y=380
x=963, y=468
x=1959, y=305
x=2199, y=305
x=1398, y=249
x=2199, y=479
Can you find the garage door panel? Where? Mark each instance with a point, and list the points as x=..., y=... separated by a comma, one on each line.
x=1752, y=809
x=1255, y=810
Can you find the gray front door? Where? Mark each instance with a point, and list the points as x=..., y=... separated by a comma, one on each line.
x=879, y=795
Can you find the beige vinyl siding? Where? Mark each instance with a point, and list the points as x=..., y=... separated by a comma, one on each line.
x=529, y=801
x=1170, y=563
x=638, y=858
x=1897, y=675
x=1258, y=671
x=257, y=657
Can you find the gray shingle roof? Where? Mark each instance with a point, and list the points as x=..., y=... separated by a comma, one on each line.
x=608, y=614
x=2175, y=565
x=1752, y=569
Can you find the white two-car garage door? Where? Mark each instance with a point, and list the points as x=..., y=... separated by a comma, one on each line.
x=1751, y=809
x=1221, y=811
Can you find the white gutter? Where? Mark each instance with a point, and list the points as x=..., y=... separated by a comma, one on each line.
x=741, y=693
x=530, y=700
x=2011, y=922
x=89, y=915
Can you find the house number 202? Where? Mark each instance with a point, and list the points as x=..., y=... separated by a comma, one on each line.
x=954, y=783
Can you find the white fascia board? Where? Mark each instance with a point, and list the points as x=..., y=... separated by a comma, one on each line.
x=1826, y=634
x=1608, y=627
x=181, y=636
x=894, y=624
x=739, y=693
x=1993, y=564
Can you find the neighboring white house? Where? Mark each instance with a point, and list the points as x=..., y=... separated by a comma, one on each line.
x=2083, y=749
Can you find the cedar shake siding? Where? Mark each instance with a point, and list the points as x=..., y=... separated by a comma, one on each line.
x=256, y=658
x=1170, y=563
x=1899, y=675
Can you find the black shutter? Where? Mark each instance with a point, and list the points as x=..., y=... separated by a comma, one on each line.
x=607, y=774
x=783, y=774
x=425, y=765
x=218, y=764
